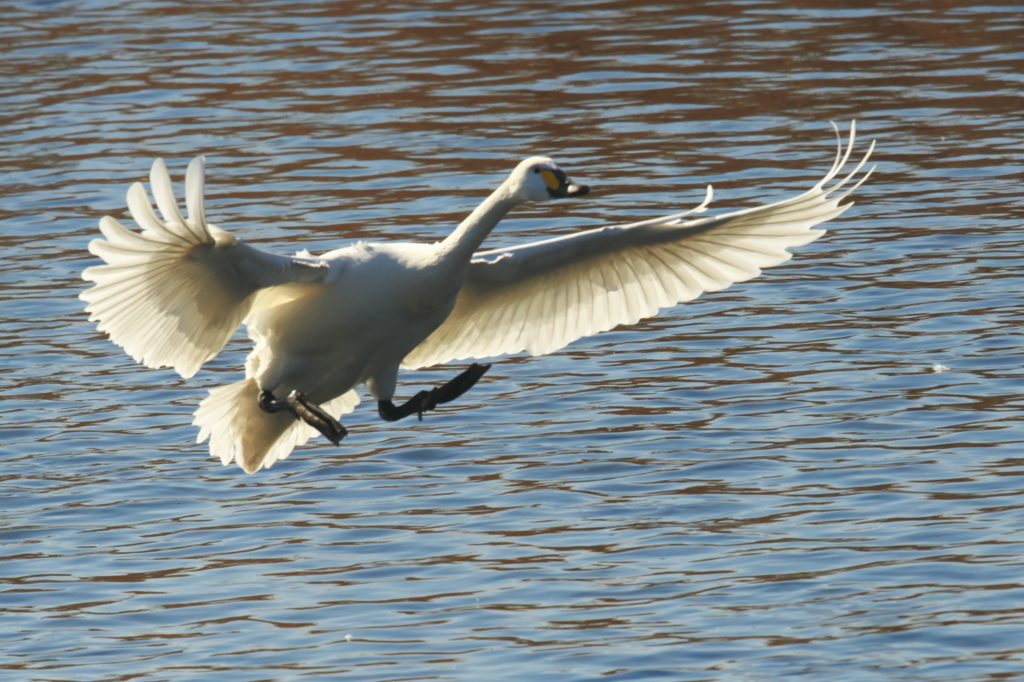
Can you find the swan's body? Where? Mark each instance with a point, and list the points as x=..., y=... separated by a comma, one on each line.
x=173, y=294
x=384, y=300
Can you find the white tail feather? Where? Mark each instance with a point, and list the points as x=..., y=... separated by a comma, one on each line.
x=240, y=431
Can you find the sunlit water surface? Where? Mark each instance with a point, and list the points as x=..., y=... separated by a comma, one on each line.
x=770, y=481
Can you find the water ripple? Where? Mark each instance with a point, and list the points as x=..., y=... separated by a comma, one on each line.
x=772, y=480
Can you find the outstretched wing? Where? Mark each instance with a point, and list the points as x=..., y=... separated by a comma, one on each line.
x=173, y=294
x=540, y=297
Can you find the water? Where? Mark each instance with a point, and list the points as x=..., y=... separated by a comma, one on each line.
x=768, y=482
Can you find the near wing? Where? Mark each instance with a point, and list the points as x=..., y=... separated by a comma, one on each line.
x=540, y=297
x=173, y=294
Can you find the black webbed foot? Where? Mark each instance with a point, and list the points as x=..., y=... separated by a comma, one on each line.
x=425, y=401
x=309, y=412
x=460, y=384
x=314, y=415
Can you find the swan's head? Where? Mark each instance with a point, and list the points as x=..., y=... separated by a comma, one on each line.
x=539, y=178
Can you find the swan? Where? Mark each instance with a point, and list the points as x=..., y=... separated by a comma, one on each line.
x=172, y=294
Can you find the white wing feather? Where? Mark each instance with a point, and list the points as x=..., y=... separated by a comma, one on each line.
x=542, y=296
x=173, y=294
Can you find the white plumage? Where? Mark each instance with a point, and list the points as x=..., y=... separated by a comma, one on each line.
x=174, y=293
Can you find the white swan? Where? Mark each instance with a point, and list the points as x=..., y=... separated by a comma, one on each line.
x=174, y=293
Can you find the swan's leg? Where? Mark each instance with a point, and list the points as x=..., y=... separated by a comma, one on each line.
x=428, y=400
x=312, y=414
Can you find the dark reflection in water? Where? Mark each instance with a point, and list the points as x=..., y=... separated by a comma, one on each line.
x=773, y=480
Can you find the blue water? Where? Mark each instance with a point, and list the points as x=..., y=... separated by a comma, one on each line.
x=771, y=481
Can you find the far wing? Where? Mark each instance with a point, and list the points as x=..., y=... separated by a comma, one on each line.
x=540, y=297
x=173, y=294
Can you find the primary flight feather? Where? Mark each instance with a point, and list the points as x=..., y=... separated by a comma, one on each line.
x=173, y=293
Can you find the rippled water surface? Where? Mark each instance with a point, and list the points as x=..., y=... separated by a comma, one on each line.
x=770, y=481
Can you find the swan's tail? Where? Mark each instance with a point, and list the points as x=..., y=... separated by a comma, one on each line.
x=159, y=296
x=240, y=431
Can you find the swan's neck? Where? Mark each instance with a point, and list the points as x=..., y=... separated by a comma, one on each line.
x=472, y=231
